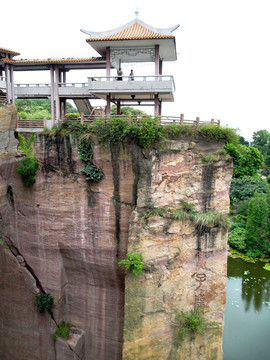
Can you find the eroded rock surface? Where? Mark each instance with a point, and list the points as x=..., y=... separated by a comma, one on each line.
x=65, y=236
x=8, y=116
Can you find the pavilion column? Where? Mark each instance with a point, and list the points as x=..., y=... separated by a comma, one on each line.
x=64, y=101
x=108, y=105
x=118, y=107
x=160, y=108
x=156, y=106
x=52, y=95
x=108, y=62
x=160, y=67
x=7, y=74
x=12, y=91
x=157, y=62
x=57, y=99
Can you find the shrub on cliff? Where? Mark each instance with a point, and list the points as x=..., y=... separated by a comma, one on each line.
x=63, y=331
x=133, y=262
x=190, y=323
x=27, y=169
x=27, y=166
x=44, y=302
x=145, y=131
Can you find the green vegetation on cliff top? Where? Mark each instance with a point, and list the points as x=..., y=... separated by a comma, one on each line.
x=145, y=131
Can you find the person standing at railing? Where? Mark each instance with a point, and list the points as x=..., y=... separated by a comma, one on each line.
x=131, y=76
x=120, y=74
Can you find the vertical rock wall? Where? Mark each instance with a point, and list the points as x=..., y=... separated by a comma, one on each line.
x=185, y=266
x=65, y=236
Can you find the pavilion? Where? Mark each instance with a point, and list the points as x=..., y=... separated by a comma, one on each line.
x=134, y=42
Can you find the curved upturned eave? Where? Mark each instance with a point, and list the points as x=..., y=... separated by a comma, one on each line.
x=104, y=34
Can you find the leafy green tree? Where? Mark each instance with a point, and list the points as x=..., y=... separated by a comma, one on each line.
x=237, y=239
x=257, y=228
x=247, y=160
x=127, y=110
x=243, y=188
x=243, y=141
x=261, y=140
x=37, y=108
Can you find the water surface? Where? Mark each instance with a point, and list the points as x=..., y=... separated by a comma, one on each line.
x=247, y=312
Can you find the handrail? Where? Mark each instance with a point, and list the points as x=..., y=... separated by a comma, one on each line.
x=128, y=78
x=134, y=79
x=31, y=123
x=163, y=120
x=33, y=85
x=73, y=84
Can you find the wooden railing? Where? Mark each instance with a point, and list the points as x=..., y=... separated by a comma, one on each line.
x=163, y=119
x=31, y=123
x=3, y=99
x=41, y=123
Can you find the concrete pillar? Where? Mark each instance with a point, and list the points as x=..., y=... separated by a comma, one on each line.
x=56, y=95
x=160, y=108
x=118, y=107
x=108, y=62
x=156, y=106
x=160, y=66
x=64, y=80
x=52, y=95
x=12, y=90
x=7, y=74
x=157, y=60
x=108, y=106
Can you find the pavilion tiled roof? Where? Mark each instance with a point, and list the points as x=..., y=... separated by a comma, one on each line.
x=53, y=61
x=134, y=32
x=9, y=51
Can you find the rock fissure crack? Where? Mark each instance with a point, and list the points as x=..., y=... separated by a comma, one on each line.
x=70, y=348
x=15, y=252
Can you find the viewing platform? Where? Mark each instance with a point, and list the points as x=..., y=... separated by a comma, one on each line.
x=143, y=87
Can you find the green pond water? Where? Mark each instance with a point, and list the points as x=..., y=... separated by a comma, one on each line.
x=247, y=312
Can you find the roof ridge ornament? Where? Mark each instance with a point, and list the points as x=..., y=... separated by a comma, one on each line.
x=137, y=13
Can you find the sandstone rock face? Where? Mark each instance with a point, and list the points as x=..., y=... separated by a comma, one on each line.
x=8, y=115
x=65, y=236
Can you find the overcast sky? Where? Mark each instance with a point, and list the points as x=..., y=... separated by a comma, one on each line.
x=222, y=70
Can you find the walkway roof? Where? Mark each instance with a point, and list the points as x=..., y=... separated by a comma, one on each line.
x=63, y=64
x=7, y=51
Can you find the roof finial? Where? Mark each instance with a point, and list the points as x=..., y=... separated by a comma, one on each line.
x=137, y=13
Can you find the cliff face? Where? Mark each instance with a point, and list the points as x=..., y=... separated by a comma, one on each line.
x=8, y=116
x=65, y=236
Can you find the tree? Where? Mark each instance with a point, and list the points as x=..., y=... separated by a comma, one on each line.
x=261, y=139
x=244, y=188
x=257, y=228
x=127, y=110
x=247, y=160
x=37, y=108
x=243, y=141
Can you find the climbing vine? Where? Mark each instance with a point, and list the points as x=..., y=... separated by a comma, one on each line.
x=92, y=172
